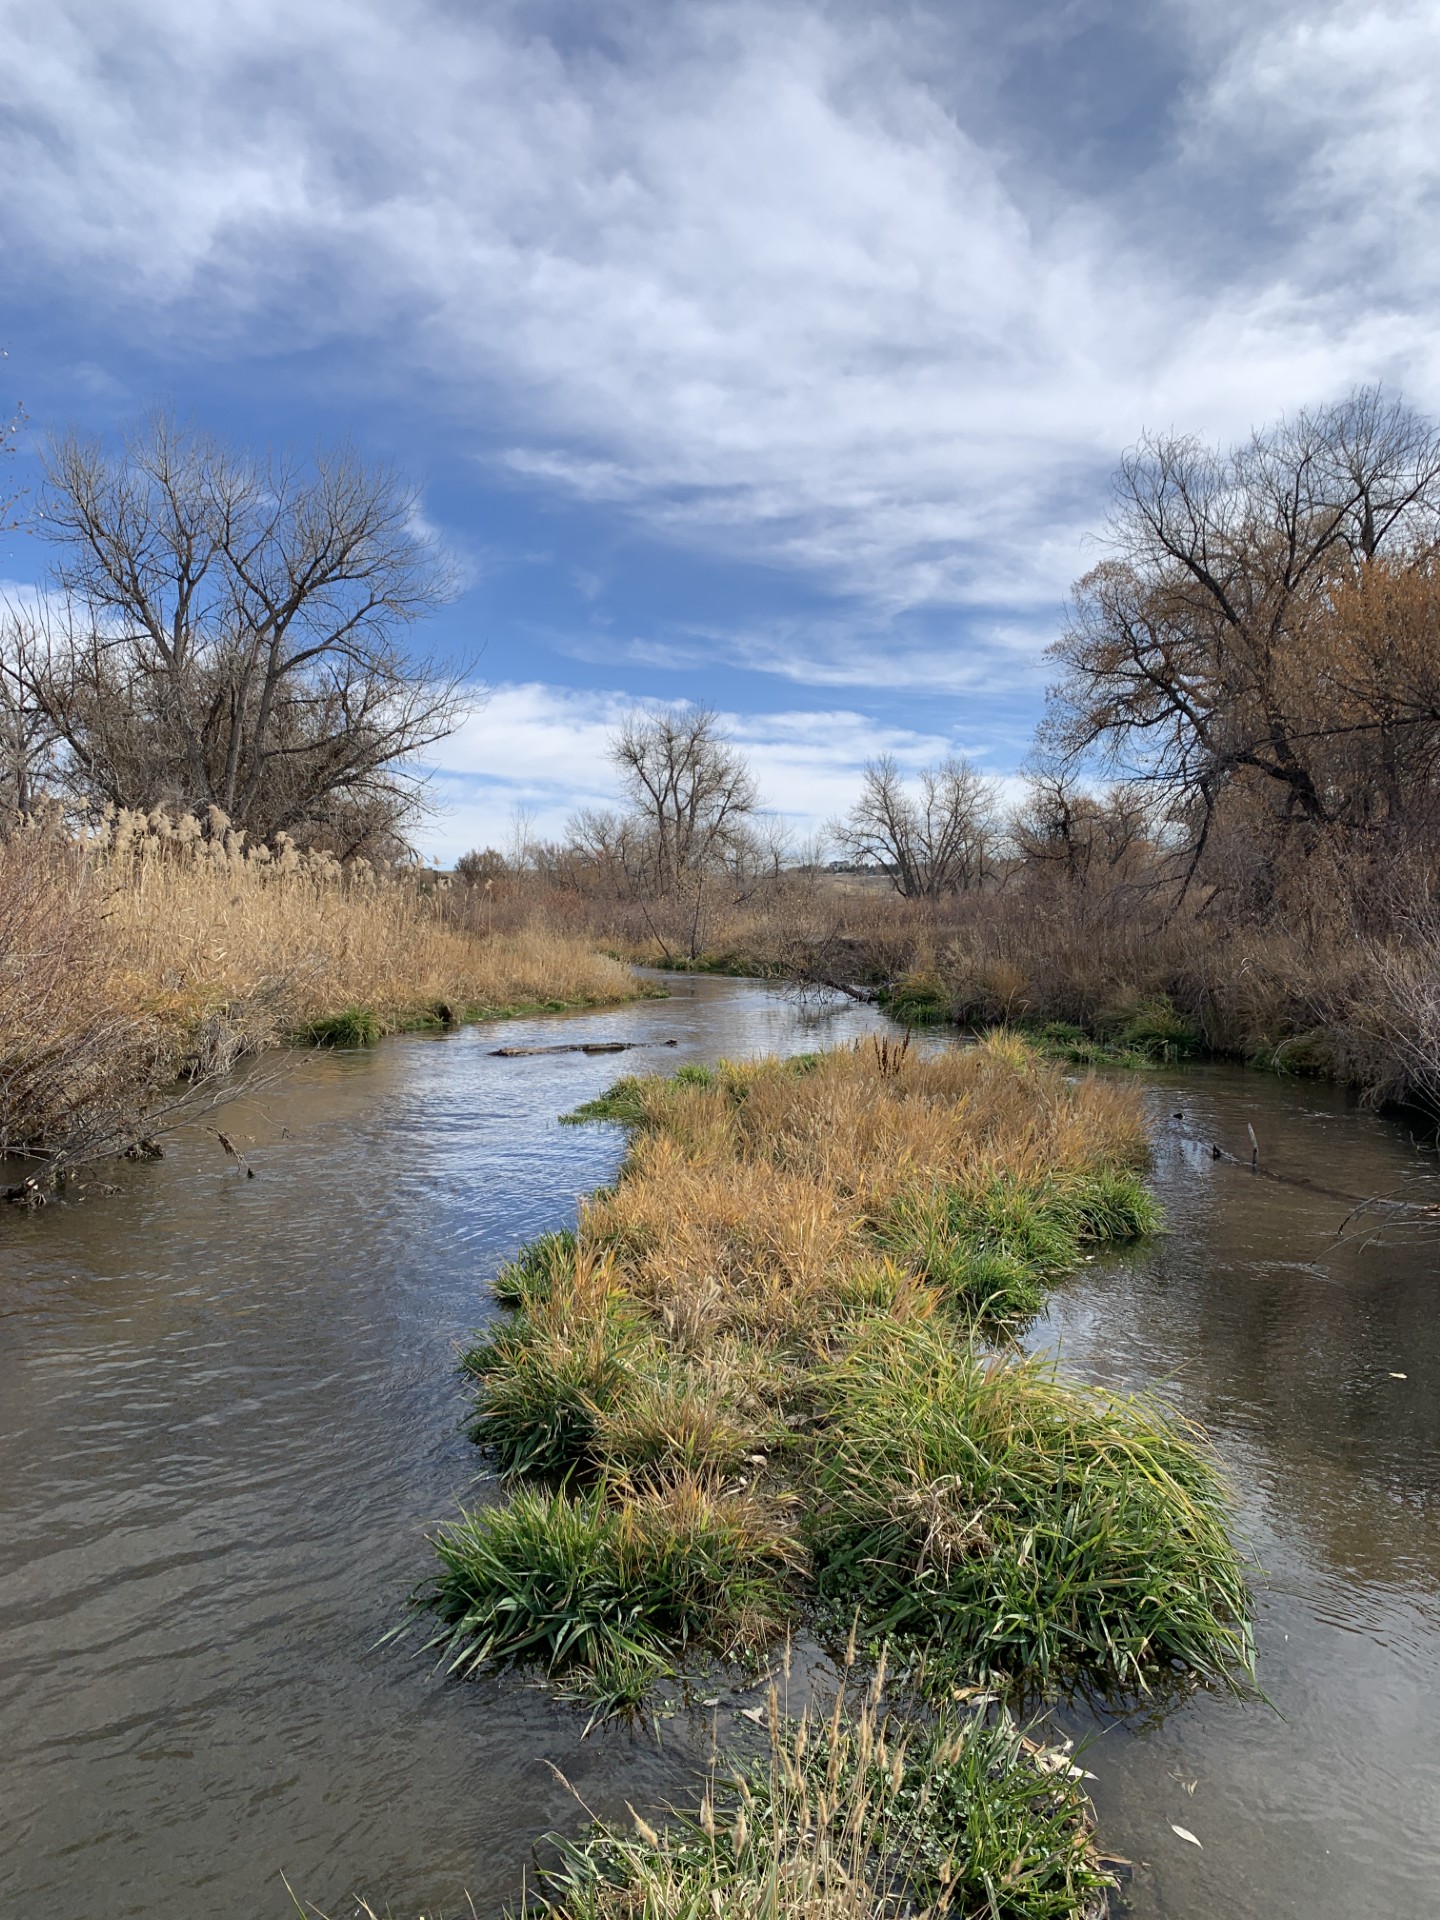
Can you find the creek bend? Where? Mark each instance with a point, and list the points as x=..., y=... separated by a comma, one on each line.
x=228, y=1414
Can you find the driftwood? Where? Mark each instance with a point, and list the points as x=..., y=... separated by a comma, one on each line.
x=581, y=1046
x=1418, y=1211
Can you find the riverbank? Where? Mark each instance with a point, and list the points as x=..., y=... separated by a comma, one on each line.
x=136, y=959
x=767, y=1385
x=1313, y=994
x=201, y=1353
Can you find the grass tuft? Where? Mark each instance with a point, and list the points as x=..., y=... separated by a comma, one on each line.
x=855, y=1817
x=919, y=1000
x=352, y=1027
x=531, y=1275
x=1020, y=1525
x=544, y=1380
x=621, y=1103
x=591, y=1587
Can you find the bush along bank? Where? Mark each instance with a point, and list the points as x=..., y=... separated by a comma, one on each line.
x=769, y=1382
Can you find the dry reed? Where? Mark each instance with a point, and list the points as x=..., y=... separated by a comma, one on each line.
x=148, y=947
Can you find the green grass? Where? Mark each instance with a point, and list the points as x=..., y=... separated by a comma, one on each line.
x=353, y=1027
x=360, y=1026
x=1137, y=1033
x=621, y=1103
x=856, y=1817
x=544, y=1379
x=590, y=1588
x=530, y=1276
x=1061, y=1040
x=1015, y=1524
x=993, y=1249
x=1150, y=1026
x=918, y=1000
x=625, y=1101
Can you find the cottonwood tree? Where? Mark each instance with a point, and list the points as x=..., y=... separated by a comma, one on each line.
x=1094, y=845
x=229, y=634
x=1217, y=652
x=29, y=767
x=692, y=824
x=935, y=839
x=691, y=793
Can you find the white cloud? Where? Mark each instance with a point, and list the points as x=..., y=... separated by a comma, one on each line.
x=747, y=275
x=542, y=749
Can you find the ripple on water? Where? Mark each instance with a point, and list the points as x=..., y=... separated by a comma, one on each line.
x=230, y=1412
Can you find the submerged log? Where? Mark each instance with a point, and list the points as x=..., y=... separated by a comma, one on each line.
x=581, y=1046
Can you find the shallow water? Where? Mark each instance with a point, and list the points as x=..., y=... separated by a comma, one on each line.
x=228, y=1415
x=1284, y=1340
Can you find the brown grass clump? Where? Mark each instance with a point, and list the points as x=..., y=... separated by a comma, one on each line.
x=789, y=1237
x=855, y=1815
x=147, y=948
x=76, y=1059
x=758, y=1193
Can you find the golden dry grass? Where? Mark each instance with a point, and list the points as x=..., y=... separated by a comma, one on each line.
x=747, y=1204
x=149, y=948
x=801, y=1265
x=279, y=951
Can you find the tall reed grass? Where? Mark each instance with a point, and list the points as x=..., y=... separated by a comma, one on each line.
x=148, y=947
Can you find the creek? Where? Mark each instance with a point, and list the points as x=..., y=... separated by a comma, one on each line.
x=229, y=1414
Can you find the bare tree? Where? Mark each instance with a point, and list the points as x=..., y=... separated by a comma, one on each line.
x=939, y=839
x=1094, y=843
x=231, y=634
x=691, y=826
x=688, y=785
x=29, y=738
x=1202, y=653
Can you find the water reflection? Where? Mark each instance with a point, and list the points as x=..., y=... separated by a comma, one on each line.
x=227, y=1415
x=1252, y=1317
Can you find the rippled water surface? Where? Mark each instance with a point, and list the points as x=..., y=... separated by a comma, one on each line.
x=228, y=1415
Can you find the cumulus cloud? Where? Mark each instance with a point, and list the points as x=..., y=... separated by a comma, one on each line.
x=540, y=751
x=755, y=273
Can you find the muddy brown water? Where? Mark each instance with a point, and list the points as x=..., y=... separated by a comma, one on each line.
x=228, y=1416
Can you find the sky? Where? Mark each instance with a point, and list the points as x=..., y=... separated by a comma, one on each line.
x=772, y=356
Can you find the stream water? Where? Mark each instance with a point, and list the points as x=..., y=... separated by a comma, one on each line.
x=228, y=1415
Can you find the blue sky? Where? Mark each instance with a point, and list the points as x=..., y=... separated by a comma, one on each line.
x=771, y=355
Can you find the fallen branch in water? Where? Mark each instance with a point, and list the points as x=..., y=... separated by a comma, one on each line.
x=1359, y=1203
x=580, y=1046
